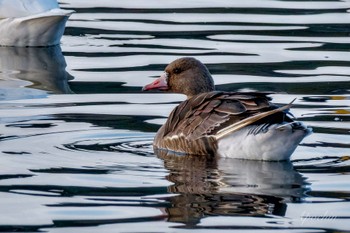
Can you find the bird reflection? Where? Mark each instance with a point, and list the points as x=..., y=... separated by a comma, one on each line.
x=43, y=67
x=229, y=187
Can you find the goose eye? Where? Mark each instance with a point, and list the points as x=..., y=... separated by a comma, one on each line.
x=177, y=71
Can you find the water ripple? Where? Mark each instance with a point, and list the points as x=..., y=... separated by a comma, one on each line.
x=134, y=145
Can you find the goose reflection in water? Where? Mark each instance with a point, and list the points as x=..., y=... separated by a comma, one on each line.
x=229, y=187
x=44, y=68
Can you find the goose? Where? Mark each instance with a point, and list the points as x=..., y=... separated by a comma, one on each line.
x=224, y=124
x=31, y=23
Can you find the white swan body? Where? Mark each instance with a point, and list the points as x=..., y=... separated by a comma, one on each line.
x=26, y=23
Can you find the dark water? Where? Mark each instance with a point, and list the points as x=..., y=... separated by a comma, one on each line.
x=76, y=131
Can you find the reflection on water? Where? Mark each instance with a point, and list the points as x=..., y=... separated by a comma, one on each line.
x=230, y=187
x=76, y=153
x=43, y=68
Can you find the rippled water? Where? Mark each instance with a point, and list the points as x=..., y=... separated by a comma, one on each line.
x=76, y=131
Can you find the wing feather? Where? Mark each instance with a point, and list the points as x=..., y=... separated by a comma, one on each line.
x=231, y=107
x=210, y=113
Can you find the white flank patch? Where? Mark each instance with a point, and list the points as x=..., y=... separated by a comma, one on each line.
x=278, y=143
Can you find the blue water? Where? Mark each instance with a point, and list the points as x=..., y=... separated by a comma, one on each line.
x=76, y=130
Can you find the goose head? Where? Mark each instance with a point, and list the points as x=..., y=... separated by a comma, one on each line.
x=185, y=75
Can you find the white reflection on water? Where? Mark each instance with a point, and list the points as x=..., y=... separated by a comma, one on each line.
x=155, y=4
x=217, y=18
x=43, y=69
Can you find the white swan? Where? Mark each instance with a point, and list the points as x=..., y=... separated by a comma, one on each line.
x=26, y=23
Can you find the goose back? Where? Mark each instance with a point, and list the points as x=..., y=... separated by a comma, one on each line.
x=193, y=124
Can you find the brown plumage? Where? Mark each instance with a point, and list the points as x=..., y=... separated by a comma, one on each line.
x=196, y=124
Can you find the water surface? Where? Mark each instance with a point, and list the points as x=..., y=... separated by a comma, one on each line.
x=76, y=130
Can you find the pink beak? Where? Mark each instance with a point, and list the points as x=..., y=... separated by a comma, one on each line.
x=158, y=84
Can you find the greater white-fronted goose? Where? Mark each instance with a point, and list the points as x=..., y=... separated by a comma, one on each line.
x=227, y=124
